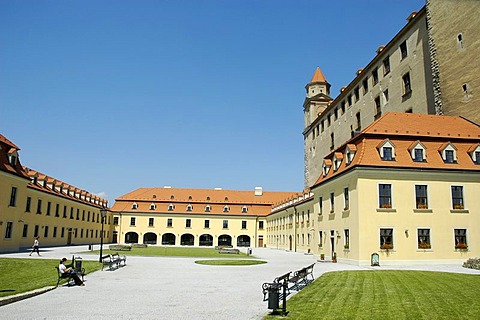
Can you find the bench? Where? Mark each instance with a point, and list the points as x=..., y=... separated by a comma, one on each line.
x=301, y=278
x=228, y=251
x=68, y=276
x=113, y=261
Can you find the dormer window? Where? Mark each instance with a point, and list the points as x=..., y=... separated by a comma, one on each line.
x=208, y=208
x=226, y=198
x=189, y=207
x=337, y=160
x=12, y=157
x=449, y=153
x=171, y=207
x=387, y=150
x=418, y=152
x=244, y=209
x=474, y=152
x=189, y=197
x=172, y=197
x=153, y=206
x=327, y=163
x=226, y=209
x=350, y=153
x=134, y=206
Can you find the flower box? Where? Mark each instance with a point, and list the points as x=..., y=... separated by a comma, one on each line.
x=424, y=245
x=422, y=206
x=386, y=246
x=458, y=207
x=386, y=206
x=461, y=246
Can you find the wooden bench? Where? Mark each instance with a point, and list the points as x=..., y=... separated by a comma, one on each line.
x=113, y=261
x=302, y=278
x=69, y=276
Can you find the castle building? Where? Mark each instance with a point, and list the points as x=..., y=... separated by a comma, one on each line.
x=33, y=204
x=194, y=217
x=429, y=67
x=404, y=187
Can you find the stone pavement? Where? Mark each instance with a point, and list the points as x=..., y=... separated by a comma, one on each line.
x=170, y=288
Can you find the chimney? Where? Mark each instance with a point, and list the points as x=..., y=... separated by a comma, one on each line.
x=258, y=191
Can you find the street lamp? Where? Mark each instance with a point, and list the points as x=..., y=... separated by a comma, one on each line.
x=103, y=213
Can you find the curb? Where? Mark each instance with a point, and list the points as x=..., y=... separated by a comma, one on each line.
x=25, y=295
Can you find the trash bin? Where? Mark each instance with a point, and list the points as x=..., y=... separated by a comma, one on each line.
x=78, y=264
x=273, y=294
x=249, y=251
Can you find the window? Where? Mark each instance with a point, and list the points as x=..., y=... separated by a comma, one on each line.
x=49, y=205
x=132, y=221
x=460, y=238
x=378, y=107
x=332, y=139
x=365, y=86
x=407, y=87
x=449, y=156
x=332, y=202
x=356, y=92
x=386, y=66
x=423, y=239
x=170, y=207
x=169, y=223
x=375, y=76
x=386, y=239
x=226, y=209
x=460, y=41
x=421, y=197
x=457, y=197
x=45, y=232
x=55, y=232
x=320, y=205
x=8, y=230
x=244, y=209
x=477, y=157
x=358, y=122
x=385, y=196
x=150, y=222
x=329, y=116
x=225, y=224
x=25, y=231
x=418, y=155
x=335, y=114
x=206, y=224
x=342, y=107
x=78, y=214
x=71, y=213
x=13, y=197
x=346, y=245
x=385, y=96
x=207, y=208
x=39, y=206
x=134, y=206
x=387, y=153
x=62, y=232
x=152, y=206
x=28, y=204
x=35, y=231
x=244, y=224
x=403, y=49
x=83, y=215
x=346, y=199
x=189, y=207
x=188, y=223
x=64, y=211
x=260, y=225
x=349, y=100
x=57, y=210
x=320, y=238
x=115, y=221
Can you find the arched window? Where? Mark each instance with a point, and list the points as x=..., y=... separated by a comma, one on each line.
x=153, y=206
x=207, y=208
x=171, y=207
x=134, y=205
x=244, y=209
x=226, y=209
x=189, y=207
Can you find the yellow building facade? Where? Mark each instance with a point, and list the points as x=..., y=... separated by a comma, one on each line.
x=194, y=217
x=404, y=188
x=33, y=204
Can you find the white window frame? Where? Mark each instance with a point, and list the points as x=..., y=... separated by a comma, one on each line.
x=134, y=206
x=153, y=206
x=377, y=199
x=449, y=147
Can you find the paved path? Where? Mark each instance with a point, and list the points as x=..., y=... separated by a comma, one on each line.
x=170, y=288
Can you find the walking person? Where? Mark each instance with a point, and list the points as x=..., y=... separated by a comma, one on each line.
x=35, y=246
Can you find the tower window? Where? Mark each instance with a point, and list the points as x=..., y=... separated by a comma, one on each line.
x=403, y=49
x=407, y=87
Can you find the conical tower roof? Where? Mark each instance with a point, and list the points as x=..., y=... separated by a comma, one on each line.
x=318, y=76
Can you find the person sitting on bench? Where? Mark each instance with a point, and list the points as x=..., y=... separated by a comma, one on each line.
x=69, y=272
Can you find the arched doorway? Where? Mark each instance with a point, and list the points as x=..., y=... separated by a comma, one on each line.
x=243, y=241
x=168, y=239
x=150, y=238
x=186, y=239
x=206, y=240
x=224, y=240
x=131, y=237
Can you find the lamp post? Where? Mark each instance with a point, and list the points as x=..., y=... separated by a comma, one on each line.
x=103, y=213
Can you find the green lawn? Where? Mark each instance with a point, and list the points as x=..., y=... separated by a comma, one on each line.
x=223, y=262
x=387, y=295
x=174, y=252
x=22, y=275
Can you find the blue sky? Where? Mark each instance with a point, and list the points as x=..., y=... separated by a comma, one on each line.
x=111, y=96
